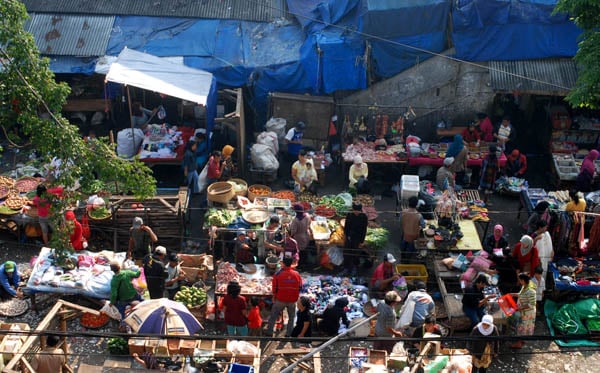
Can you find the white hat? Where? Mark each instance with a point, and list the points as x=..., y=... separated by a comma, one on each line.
x=448, y=161
x=390, y=258
x=160, y=250
x=358, y=160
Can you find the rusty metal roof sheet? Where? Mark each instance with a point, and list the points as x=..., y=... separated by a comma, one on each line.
x=70, y=35
x=247, y=10
x=552, y=76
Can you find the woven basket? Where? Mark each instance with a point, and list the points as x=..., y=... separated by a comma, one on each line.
x=199, y=312
x=251, y=195
x=242, y=192
x=221, y=192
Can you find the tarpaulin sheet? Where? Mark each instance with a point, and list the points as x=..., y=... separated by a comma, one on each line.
x=550, y=308
x=315, y=15
x=342, y=60
x=485, y=30
x=72, y=65
x=149, y=72
x=391, y=58
x=396, y=18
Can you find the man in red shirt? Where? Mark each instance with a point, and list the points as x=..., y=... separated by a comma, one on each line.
x=286, y=291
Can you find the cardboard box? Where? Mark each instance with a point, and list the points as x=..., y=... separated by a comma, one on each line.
x=377, y=357
x=173, y=346
x=187, y=346
x=137, y=345
x=151, y=344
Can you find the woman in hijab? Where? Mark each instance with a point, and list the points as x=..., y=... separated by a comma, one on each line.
x=525, y=315
x=481, y=349
x=587, y=171
x=358, y=174
x=455, y=147
x=496, y=240
x=299, y=230
x=526, y=254
x=229, y=169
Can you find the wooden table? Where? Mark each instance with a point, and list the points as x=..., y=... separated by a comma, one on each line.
x=453, y=300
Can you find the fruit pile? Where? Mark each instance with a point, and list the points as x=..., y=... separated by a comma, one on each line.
x=191, y=296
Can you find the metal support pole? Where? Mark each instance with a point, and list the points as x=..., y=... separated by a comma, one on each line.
x=291, y=367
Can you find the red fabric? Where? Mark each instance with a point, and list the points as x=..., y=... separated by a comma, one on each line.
x=85, y=227
x=254, y=319
x=438, y=162
x=286, y=285
x=43, y=206
x=76, y=237
x=487, y=130
x=527, y=263
x=233, y=310
x=214, y=169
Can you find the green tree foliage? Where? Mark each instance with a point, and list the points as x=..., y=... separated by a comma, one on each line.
x=586, y=15
x=28, y=89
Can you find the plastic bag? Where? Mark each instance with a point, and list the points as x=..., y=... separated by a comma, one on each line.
x=347, y=197
x=277, y=125
x=406, y=314
x=202, y=179
x=242, y=348
x=566, y=321
x=111, y=311
x=336, y=255
x=461, y=262
x=140, y=283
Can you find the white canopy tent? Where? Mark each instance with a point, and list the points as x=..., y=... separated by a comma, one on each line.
x=153, y=73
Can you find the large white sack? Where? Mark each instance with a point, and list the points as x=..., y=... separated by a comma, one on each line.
x=128, y=143
x=263, y=158
x=277, y=125
x=269, y=139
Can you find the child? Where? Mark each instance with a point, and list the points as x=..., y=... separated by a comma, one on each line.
x=540, y=282
x=309, y=177
x=254, y=319
x=235, y=309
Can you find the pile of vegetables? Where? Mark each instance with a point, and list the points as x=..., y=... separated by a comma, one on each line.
x=118, y=346
x=284, y=194
x=191, y=296
x=99, y=213
x=335, y=202
x=377, y=238
x=219, y=218
x=92, y=321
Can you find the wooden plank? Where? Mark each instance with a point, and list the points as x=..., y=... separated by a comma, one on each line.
x=88, y=104
x=168, y=205
x=291, y=351
x=317, y=362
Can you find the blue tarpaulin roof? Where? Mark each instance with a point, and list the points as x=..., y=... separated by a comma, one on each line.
x=485, y=30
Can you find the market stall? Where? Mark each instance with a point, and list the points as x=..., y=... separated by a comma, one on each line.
x=163, y=145
x=85, y=273
x=576, y=275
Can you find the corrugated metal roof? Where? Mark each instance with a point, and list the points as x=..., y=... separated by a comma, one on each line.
x=71, y=35
x=247, y=10
x=553, y=76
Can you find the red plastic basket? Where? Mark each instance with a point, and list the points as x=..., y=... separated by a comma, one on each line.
x=507, y=304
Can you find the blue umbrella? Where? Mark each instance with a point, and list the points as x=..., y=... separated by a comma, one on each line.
x=162, y=316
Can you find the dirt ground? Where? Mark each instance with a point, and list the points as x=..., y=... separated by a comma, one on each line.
x=536, y=356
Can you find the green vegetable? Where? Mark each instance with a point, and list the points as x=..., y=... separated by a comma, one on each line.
x=335, y=202
x=220, y=218
x=377, y=238
x=100, y=213
x=118, y=346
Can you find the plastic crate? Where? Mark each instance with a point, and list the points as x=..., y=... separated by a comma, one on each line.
x=409, y=186
x=415, y=272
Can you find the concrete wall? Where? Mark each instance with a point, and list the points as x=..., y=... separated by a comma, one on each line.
x=439, y=88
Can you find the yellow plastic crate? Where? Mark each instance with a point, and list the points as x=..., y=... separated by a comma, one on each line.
x=412, y=272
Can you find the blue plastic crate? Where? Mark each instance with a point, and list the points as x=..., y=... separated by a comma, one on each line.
x=240, y=368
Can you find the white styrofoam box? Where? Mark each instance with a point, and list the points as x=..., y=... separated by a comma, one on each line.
x=409, y=186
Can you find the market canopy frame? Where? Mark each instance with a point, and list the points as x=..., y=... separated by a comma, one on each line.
x=153, y=73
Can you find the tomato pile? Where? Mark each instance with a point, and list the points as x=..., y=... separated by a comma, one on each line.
x=92, y=321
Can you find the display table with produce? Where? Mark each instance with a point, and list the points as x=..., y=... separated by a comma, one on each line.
x=89, y=274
